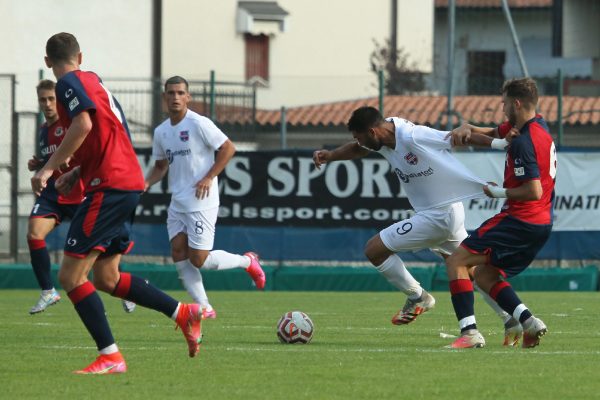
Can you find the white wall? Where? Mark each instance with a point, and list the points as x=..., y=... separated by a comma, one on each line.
x=581, y=28
x=487, y=30
x=323, y=56
x=114, y=35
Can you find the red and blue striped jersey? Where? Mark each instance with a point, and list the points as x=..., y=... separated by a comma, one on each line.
x=531, y=155
x=107, y=158
x=50, y=138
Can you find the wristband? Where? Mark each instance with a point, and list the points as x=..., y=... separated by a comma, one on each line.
x=497, y=191
x=499, y=144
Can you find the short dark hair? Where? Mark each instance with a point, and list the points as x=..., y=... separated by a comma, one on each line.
x=62, y=47
x=364, y=118
x=523, y=89
x=175, y=80
x=45, y=84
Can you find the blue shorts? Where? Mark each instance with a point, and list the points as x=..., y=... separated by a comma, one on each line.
x=47, y=208
x=102, y=222
x=510, y=244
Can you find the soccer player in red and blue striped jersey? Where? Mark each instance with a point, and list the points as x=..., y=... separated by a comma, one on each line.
x=97, y=138
x=505, y=245
x=50, y=208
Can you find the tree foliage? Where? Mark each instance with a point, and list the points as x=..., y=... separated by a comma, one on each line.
x=400, y=76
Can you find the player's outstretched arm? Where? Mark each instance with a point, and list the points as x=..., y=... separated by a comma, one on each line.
x=528, y=191
x=460, y=136
x=158, y=171
x=464, y=135
x=348, y=151
x=487, y=131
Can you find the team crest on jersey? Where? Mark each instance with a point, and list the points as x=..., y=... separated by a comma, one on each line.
x=184, y=136
x=411, y=159
x=95, y=182
x=59, y=131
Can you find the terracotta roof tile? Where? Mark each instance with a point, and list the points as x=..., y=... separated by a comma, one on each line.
x=430, y=110
x=495, y=3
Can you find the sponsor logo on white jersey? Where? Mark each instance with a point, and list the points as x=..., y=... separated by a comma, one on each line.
x=172, y=154
x=406, y=177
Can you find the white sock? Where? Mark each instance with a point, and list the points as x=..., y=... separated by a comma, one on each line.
x=394, y=270
x=221, y=260
x=174, y=316
x=492, y=303
x=192, y=281
x=110, y=349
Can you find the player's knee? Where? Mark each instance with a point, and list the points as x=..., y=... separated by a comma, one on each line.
x=198, y=260
x=178, y=254
x=103, y=284
x=454, y=261
x=68, y=281
x=35, y=236
x=376, y=252
x=373, y=255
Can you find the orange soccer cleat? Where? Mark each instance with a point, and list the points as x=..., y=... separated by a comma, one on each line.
x=189, y=319
x=105, y=364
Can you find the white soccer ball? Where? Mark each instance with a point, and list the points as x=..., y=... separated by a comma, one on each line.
x=295, y=327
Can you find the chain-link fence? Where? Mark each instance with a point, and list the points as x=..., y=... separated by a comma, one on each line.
x=226, y=103
x=7, y=126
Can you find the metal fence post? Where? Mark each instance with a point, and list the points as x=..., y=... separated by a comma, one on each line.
x=156, y=102
x=559, y=106
x=283, y=128
x=381, y=91
x=451, y=31
x=254, y=108
x=14, y=178
x=212, y=96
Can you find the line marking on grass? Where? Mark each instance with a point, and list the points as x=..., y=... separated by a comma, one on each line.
x=405, y=350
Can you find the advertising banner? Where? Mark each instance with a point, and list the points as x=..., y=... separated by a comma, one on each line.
x=283, y=188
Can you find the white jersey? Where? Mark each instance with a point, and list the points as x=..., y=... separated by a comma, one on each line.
x=428, y=172
x=190, y=148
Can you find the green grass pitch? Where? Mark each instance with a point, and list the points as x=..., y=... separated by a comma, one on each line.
x=355, y=353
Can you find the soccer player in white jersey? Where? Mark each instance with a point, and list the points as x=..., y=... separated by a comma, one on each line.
x=185, y=146
x=435, y=183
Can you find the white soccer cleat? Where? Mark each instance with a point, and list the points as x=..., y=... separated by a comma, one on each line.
x=128, y=306
x=533, y=329
x=470, y=339
x=512, y=332
x=413, y=308
x=45, y=301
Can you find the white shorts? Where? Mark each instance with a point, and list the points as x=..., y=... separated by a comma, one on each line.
x=440, y=229
x=199, y=226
